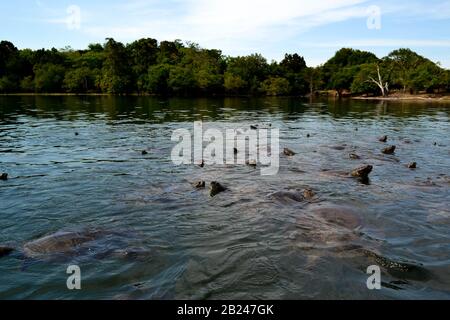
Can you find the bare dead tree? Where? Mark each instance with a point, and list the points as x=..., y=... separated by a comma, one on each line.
x=384, y=87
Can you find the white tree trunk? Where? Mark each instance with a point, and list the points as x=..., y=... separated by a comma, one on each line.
x=383, y=87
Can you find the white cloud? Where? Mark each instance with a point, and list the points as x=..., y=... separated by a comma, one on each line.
x=245, y=26
x=216, y=21
x=395, y=43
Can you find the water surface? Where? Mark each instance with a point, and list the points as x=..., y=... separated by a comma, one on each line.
x=177, y=242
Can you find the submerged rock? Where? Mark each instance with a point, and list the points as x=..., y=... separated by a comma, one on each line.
x=412, y=165
x=354, y=156
x=341, y=216
x=4, y=176
x=216, y=188
x=58, y=243
x=296, y=196
x=4, y=251
x=288, y=152
x=200, y=185
x=362, y=172
x=389, y=150
x=287, y=196
x=400, y=269
x=383, y=139
x=338, y=147
x=67, y=244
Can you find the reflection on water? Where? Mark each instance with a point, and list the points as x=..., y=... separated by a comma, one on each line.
x=76, y=163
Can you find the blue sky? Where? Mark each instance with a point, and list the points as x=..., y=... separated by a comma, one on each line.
x=313, y=28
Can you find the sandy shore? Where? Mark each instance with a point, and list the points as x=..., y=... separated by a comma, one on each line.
x=409, y=98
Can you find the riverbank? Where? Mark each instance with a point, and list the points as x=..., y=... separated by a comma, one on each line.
x=408, y=97
x=392, y=97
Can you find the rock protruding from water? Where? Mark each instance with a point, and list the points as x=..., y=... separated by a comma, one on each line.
x=144, y=152
x=389, y=150
x=362, y=172
x=216, y=188
x=412, y=165
x=255, y=127
x=200, y=185
x=4, y=251
x=4, y=177
x=308, y=194
x=251, y=163
x=288, y=152
x=354, y=156
x=383, y=139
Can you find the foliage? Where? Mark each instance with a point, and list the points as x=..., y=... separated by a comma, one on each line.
x=49, y=78
x=176, y=68
x=362, y=82
x=276, y=86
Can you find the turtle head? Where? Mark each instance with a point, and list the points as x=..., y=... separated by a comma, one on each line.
x=4, y=251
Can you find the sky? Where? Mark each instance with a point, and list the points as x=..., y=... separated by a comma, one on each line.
x=315, y=29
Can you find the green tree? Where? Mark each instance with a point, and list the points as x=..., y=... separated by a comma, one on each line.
x=116, y=77
x=10, y=67
x=81, y=79
x=403, y=63
x=293, y=68
x=313, y=78
x=234, y=83
x=157, y=79
x=276, y=86
x=372, y=78
x=49, y=78
x=333, y=75
x=252, y=70
x=143, y=54
x=427, y=77
x=342, y=79
x=169, y=51
x=27, y=84
x=293, y=63
x=7, y=85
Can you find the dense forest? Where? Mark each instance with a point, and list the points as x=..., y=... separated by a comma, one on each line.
x=173, y=68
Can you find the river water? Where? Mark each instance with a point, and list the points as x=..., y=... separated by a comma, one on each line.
x=76, y=164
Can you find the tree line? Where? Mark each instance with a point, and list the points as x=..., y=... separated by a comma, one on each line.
x=175, y=68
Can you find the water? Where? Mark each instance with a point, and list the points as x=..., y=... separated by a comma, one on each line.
x=164, y=240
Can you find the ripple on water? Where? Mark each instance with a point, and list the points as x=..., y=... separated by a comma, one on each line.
x=243, y=243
